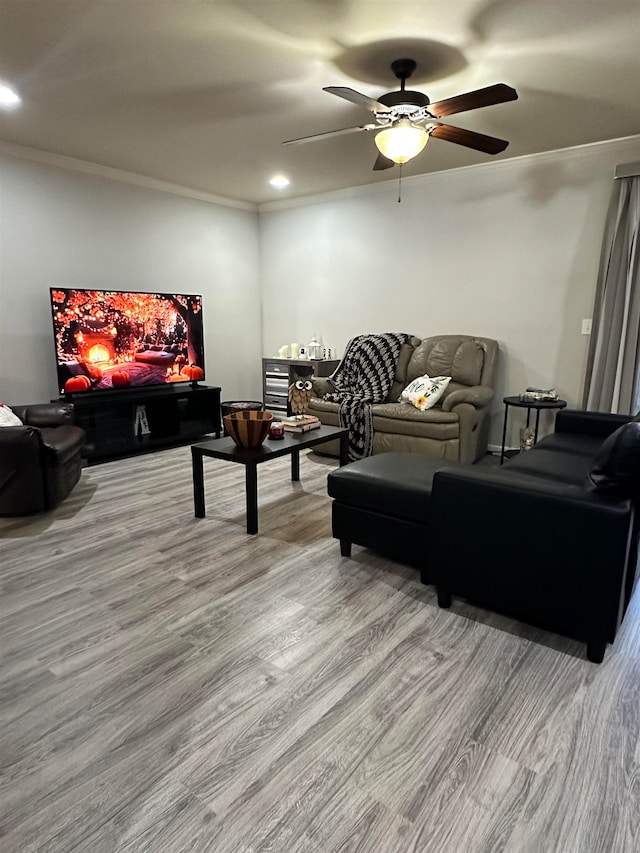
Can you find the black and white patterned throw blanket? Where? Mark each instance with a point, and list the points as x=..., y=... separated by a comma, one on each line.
x=363, y=377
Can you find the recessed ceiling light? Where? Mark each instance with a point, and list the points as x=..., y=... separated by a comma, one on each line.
x=9, y=98
x=279, y=182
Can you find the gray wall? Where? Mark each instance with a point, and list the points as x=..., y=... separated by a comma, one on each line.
x=60, y=228
x=507, y=250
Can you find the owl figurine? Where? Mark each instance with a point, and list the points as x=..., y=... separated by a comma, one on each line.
x=300, y=393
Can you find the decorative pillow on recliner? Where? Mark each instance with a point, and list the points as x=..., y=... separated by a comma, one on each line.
x=425, y=391
x=8, y=417
x=616, y=468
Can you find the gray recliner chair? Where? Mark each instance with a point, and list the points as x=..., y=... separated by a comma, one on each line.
x=457, y=427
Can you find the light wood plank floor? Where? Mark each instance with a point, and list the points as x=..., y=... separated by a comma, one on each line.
x=170, y=684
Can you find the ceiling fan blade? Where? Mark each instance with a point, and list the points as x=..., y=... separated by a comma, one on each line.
x=331, y=133
x=357, y=98
x=382, y=162
x=497, y=94
x=469, y=138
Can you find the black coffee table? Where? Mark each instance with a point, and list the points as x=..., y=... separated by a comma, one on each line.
x=290, y=445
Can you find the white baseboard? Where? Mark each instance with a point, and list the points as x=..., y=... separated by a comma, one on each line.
x=496, y=449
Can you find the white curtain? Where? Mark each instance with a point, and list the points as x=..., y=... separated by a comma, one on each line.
x=613, y=375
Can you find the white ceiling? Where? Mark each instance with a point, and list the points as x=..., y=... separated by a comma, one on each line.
x=202, y=93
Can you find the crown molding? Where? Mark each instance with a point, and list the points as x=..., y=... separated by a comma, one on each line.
x=62, y=161
x=74, y=164
x=431, y=178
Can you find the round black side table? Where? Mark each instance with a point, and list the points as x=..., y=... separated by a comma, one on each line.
x=537, y=405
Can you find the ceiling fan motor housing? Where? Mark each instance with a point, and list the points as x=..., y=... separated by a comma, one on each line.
x=404, y=97
x=403, y=69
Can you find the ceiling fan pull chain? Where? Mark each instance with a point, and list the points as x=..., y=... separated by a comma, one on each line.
x=400, y=184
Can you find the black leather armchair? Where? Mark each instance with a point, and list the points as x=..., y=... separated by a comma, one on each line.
x=551, y=537
x=40, y=462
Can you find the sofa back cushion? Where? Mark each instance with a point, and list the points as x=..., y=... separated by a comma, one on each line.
x=457, y=356
x=49, y=414
x=616, y=468
x=400, y=380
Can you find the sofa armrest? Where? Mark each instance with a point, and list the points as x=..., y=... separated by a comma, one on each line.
x=322, y=385
x=61, y=444
x=535, y=494
x=599, y=424
x=478, y=396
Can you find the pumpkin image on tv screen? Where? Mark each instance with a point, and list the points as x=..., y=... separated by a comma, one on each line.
x=113, y=339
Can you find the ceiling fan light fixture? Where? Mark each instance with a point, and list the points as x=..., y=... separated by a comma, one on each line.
x=402, y=141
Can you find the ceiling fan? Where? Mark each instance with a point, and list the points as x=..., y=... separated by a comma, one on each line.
x=404, y=120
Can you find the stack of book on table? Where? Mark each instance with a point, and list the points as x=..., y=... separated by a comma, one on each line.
x=300, y=423
x=539, y=395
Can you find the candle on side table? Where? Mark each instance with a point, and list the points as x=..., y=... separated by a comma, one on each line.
x=276, y=430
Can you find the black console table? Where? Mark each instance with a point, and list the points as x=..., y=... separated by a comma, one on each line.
x=124, y=422
x=536, y=405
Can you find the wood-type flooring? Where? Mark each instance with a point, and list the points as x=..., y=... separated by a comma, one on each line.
x=171, y=684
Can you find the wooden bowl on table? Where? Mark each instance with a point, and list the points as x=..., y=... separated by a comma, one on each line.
x=248, y=428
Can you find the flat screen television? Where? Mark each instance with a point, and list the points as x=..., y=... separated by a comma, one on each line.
x=115, y=339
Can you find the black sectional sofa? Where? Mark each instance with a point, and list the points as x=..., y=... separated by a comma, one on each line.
x=550, y=537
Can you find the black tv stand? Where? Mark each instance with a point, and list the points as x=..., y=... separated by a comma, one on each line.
x=127, y=421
